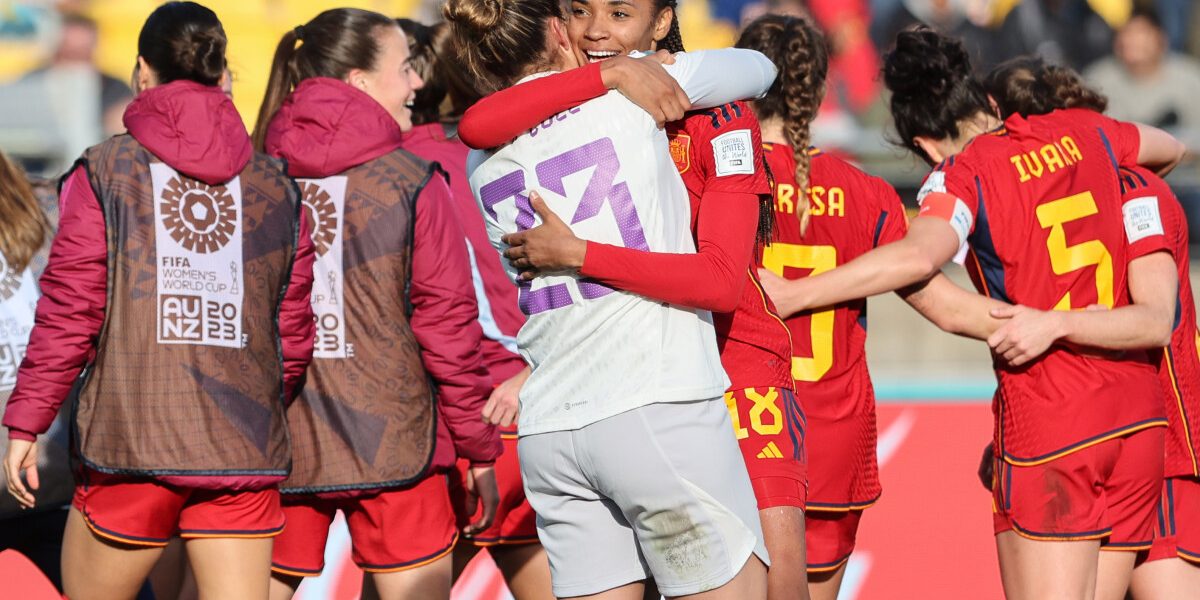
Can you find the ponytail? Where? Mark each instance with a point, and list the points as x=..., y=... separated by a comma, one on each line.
x=1027, y=85
x=281, y=83
x=332, y=44
x=799, y=51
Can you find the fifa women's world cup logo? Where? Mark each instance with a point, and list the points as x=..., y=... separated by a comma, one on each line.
x=10, y=279
x=201, y=218
x=324, y=202
x=322, y=216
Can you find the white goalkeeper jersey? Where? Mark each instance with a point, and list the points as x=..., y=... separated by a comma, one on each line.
x=605, y=169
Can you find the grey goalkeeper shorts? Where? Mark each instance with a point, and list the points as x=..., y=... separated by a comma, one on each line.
x=659, y=491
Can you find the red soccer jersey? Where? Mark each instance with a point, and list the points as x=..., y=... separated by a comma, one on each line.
x=721, y=150
x=851, y=213
x=1039, y=204
x=1154, y=220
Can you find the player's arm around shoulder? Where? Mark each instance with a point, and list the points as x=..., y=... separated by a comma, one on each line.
x=714, y=77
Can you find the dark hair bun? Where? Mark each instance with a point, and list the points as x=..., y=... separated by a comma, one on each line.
x=1028, y=85
x=925, y=63
x=933, y=88
x=184, y=40
x=479, y=16
x=201, y=56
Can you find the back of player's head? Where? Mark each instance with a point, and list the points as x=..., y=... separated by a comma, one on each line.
x=933, y=88
x=23, y=226
x=183, y=41
x=500, y=41
x=1028, y=85
x=332, y=44
x=800, y=53
x=448, y=89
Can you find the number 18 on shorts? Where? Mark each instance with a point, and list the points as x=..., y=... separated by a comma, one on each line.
x=770, y=425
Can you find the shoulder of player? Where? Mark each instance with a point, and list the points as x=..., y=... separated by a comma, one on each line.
x=824, y=166
x=866, y=195
x=712, y=122
x=978, y=157
x=1137, y=183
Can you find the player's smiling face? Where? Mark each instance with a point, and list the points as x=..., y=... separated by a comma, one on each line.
x=602, y=29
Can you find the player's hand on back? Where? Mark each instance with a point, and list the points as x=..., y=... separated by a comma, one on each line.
x=647, y=84
x=785, y=294
x=502, y=406
x=1028, y=334
x=551, y=246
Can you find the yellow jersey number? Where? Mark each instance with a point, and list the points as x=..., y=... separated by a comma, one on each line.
x=820, y=259
x=1066, y=259
x=763, y=403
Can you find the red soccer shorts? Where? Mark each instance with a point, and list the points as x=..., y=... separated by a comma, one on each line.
x=1106, y=492
x=829, y=538
x=144, y=512
x=395, y=530
x=1177, y=524
x=770, y=426
x=515, y=522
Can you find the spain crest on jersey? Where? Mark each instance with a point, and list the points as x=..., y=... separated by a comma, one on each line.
x=681, y=151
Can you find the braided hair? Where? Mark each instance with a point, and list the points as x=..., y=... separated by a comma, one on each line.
x=674, y=41
x=799, y=50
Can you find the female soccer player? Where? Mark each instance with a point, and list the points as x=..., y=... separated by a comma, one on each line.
x=28, y=218
x=826, y=212
x=179, y=285
x=719, y=155
x=621, y=446
x=511, y=541
x=993, y=179
x=1154, y=220
x=396, y=317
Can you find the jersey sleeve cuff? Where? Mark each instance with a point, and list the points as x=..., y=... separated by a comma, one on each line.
x=1148, y=246
x=21, y=434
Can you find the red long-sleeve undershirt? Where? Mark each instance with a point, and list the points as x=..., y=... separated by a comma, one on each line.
x=501, y=117
x=711, y=279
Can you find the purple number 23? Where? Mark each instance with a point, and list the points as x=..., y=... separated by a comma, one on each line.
x=600, y=188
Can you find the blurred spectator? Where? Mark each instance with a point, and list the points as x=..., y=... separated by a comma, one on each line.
x=75, y=58
x=1145, y=81
x=853, y=85
x=1067, y=32
x=854, y=61
x=960, y=18
x=1177, y=17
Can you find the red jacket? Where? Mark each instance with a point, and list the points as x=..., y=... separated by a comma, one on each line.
x=503, y=318
x=326, y=127
x=196, y=130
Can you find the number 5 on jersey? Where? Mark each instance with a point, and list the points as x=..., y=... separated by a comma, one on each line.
x=1066, y=259
x=819, y=259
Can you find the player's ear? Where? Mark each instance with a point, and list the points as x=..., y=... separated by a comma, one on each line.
x=995, y=106
x=662, y=23
x=561, y=40
x=931, y=148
